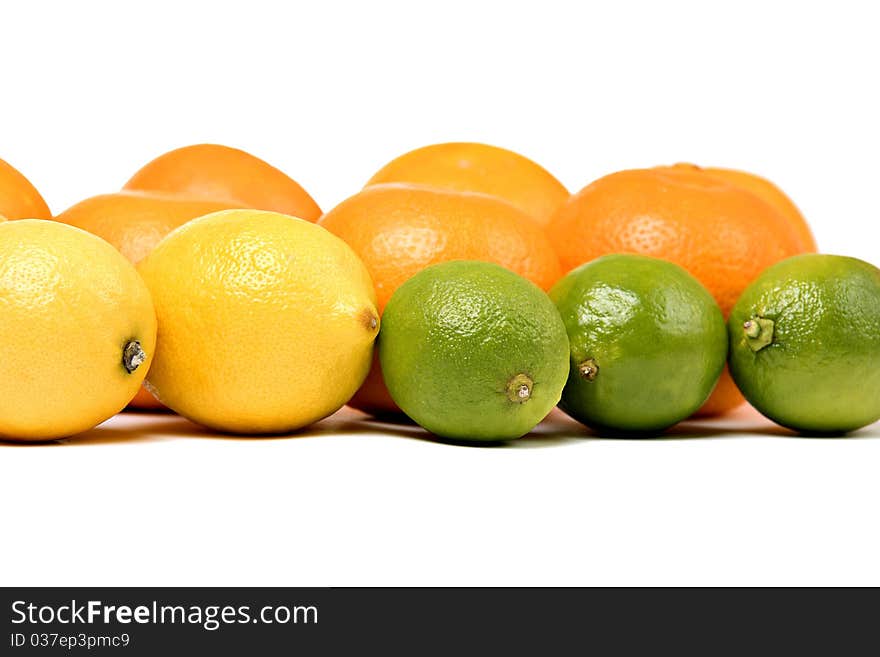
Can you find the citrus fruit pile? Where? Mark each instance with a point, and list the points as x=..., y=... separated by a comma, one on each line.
x=463, y=288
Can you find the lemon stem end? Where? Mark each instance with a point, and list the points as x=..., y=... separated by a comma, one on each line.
x=133, y=356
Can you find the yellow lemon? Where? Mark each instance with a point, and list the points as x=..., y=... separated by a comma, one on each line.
x=77, y=330
x=266, y=322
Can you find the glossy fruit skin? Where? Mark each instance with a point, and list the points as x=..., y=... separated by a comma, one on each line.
x=19, y=199
x=720, y=233
x=266, y=322
x=473, y=167
x=821, y=372
x=399, y=229
x=457, y=336
x=70, y=305
x=227, y=174
x=135, y=222
x=652, y=336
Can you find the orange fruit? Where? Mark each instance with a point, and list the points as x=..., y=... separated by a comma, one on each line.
x=766, y=190
x=724, y=398
x=399, y=229
x=223, y=173
x=469, y=167
x=721, y=233
x=726, y=395
x=145, y=401
x=135, y=223
x=19, y=199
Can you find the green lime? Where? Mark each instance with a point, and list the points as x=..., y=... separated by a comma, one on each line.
x=648, y=343
x=805, y=343
x=472, y=351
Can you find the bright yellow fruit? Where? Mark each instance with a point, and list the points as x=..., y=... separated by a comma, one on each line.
x=266, y=322
x=77, y=330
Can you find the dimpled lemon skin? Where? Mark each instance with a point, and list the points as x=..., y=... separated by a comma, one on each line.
x=819, y=371
x=461, y=340
x=69, y=305
x=266, y=321
x=648, y=343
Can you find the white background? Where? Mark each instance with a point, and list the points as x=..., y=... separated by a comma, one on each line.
x=90, y=91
